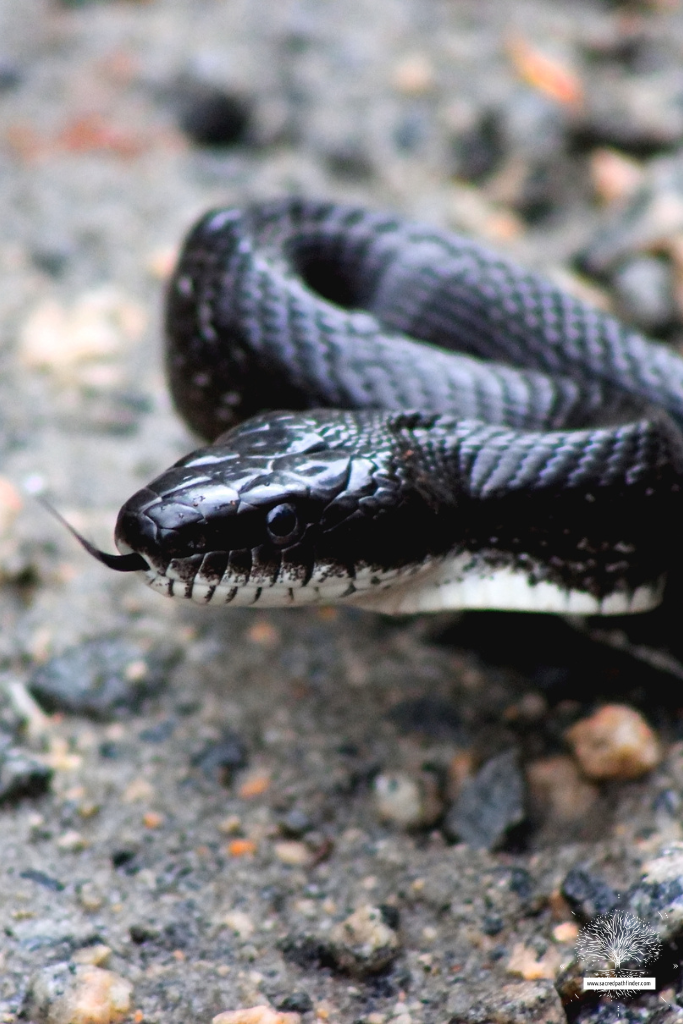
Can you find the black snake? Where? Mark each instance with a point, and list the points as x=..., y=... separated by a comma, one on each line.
x=526, y=452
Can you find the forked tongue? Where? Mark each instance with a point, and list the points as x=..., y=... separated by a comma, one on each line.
x=121, y=563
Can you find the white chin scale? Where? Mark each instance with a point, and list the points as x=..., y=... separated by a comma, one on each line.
x=451, y=584
x=456, y=584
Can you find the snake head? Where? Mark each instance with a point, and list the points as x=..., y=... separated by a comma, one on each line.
x=286, y=508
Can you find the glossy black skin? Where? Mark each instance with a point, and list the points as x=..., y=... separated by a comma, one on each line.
x=386, y=490
x=264, y=313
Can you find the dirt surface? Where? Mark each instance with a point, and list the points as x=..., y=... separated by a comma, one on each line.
x=224, y=808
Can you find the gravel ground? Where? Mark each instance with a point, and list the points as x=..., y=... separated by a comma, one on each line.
x=326, y=813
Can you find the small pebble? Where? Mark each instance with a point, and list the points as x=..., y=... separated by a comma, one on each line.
x=526, y=962
x=256, y=1015
x=96, y=956
x=479, y=151
x=644, y=286
x=364, y=943
x=297, y=1002
x=90, y=897
x=87, y=995
x=489, y=805
x=152, y=820
x=406, y=801
x=614, y=175
x=544, y=72
x=566, y=932
x=240, y=923
x=295, y=823
x=293, y=853
x=241, y=848
x=263, y=633
x=210, y=116
x=614, y=743
x=414, y=75
x=231, y=825
x=71, y=842
x=219, y=760
x=558, y=789
x=255, y=785
x=138, y=791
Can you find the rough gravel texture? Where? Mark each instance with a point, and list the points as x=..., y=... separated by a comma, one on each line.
x=194, y=789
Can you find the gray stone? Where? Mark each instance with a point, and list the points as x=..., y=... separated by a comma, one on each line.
x=526, y=1002
x=364, y=943
x=644, y=290
x=102, y=678
x=490, y=804
x=21, y=774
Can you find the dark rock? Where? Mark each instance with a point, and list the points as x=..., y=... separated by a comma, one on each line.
x=411, y=131
x=521, y=883
x=297, y=1002
x=295, y=823
x=210, y=116
x=349, y=162
x=540, y=190
x=535, y=127
x=220, y=760
x=21, y=774
x=430, y=716
x=10, y=75
x=111, y=750
x=390, y=915
x=587, y=894
x=645, y=293
x=123, y=858
x=101, y=678
x=158, y=733
x=140, y=934
x=668, y=801
x=52, y=260
x=478, y=152
x=40, y=878
x=489, y=805
x=641, y=115
x=307, y=951
x=493, y=924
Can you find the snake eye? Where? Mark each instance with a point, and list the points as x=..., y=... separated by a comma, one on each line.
x=282, y=523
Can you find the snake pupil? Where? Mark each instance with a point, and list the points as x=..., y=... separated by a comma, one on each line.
x=282, y=523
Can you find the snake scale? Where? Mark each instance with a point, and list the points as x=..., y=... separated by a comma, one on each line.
x=404, y=421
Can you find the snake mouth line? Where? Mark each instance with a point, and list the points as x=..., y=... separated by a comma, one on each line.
x=132, y=562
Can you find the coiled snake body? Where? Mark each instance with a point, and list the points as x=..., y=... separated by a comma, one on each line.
x=526, y=452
